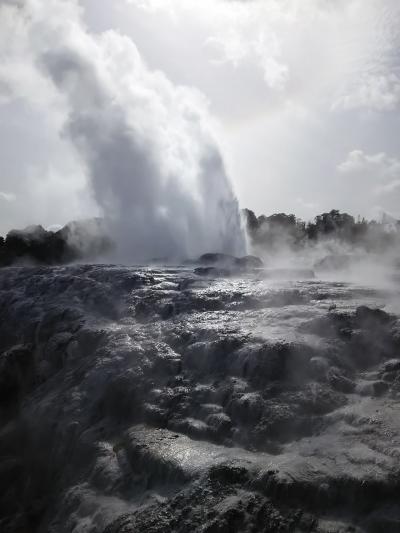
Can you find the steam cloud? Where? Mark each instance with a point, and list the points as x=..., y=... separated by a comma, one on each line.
x=147, y=145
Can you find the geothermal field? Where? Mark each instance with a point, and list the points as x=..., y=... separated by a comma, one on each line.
x=199, y=266
x=162, y=399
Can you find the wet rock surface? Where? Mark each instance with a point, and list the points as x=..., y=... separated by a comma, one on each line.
x=224, y=265
x=157, y=400
x=229, y=261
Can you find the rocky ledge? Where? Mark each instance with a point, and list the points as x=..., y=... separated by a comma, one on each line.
x=156, y=400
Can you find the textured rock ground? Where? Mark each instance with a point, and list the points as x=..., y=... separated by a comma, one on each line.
x=156, y=400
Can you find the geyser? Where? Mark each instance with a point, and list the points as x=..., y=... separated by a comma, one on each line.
x=147, y=145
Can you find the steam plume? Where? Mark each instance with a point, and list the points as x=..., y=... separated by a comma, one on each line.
x=148, y=149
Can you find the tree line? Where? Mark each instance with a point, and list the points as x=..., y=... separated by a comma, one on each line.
x=281, y=229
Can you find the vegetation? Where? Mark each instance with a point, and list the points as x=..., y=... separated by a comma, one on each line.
x=281, y=229
x=75, y=241
x=88, y=240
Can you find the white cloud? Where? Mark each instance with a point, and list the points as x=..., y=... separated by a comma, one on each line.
x=343, y=52
x=389, y=188
x=154, y=5
x=379, y=92
x=7, y=196
x=380, y=164
x=380, y=171
x=263, y=49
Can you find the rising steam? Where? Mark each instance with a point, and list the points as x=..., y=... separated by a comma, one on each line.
x=154, y=166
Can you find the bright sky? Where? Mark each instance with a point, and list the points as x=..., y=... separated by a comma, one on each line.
x=303, y=98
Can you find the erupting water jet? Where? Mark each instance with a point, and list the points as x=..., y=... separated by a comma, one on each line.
x=147, y=145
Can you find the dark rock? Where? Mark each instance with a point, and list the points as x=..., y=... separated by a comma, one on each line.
x=393, y=365
x=16, y=371
x=372, y=388
x=340, y=382
x=249, y=261
x=214, y=272
x=228, y=474
x=246, y=408
x=319, y=367
x=367, y=317
x=196, y=429
x=220, y=424
x=389, y=376
x=217, y=259
x=221, y=265
x=380, y=387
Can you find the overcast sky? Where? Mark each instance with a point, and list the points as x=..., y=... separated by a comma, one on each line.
x=302, y=97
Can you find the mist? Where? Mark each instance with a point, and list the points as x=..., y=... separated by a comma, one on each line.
x=147, y=146
x=336, y=246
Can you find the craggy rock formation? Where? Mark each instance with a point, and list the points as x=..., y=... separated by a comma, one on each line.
x=158, y=401
x=86, y=239
x=222, y=265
